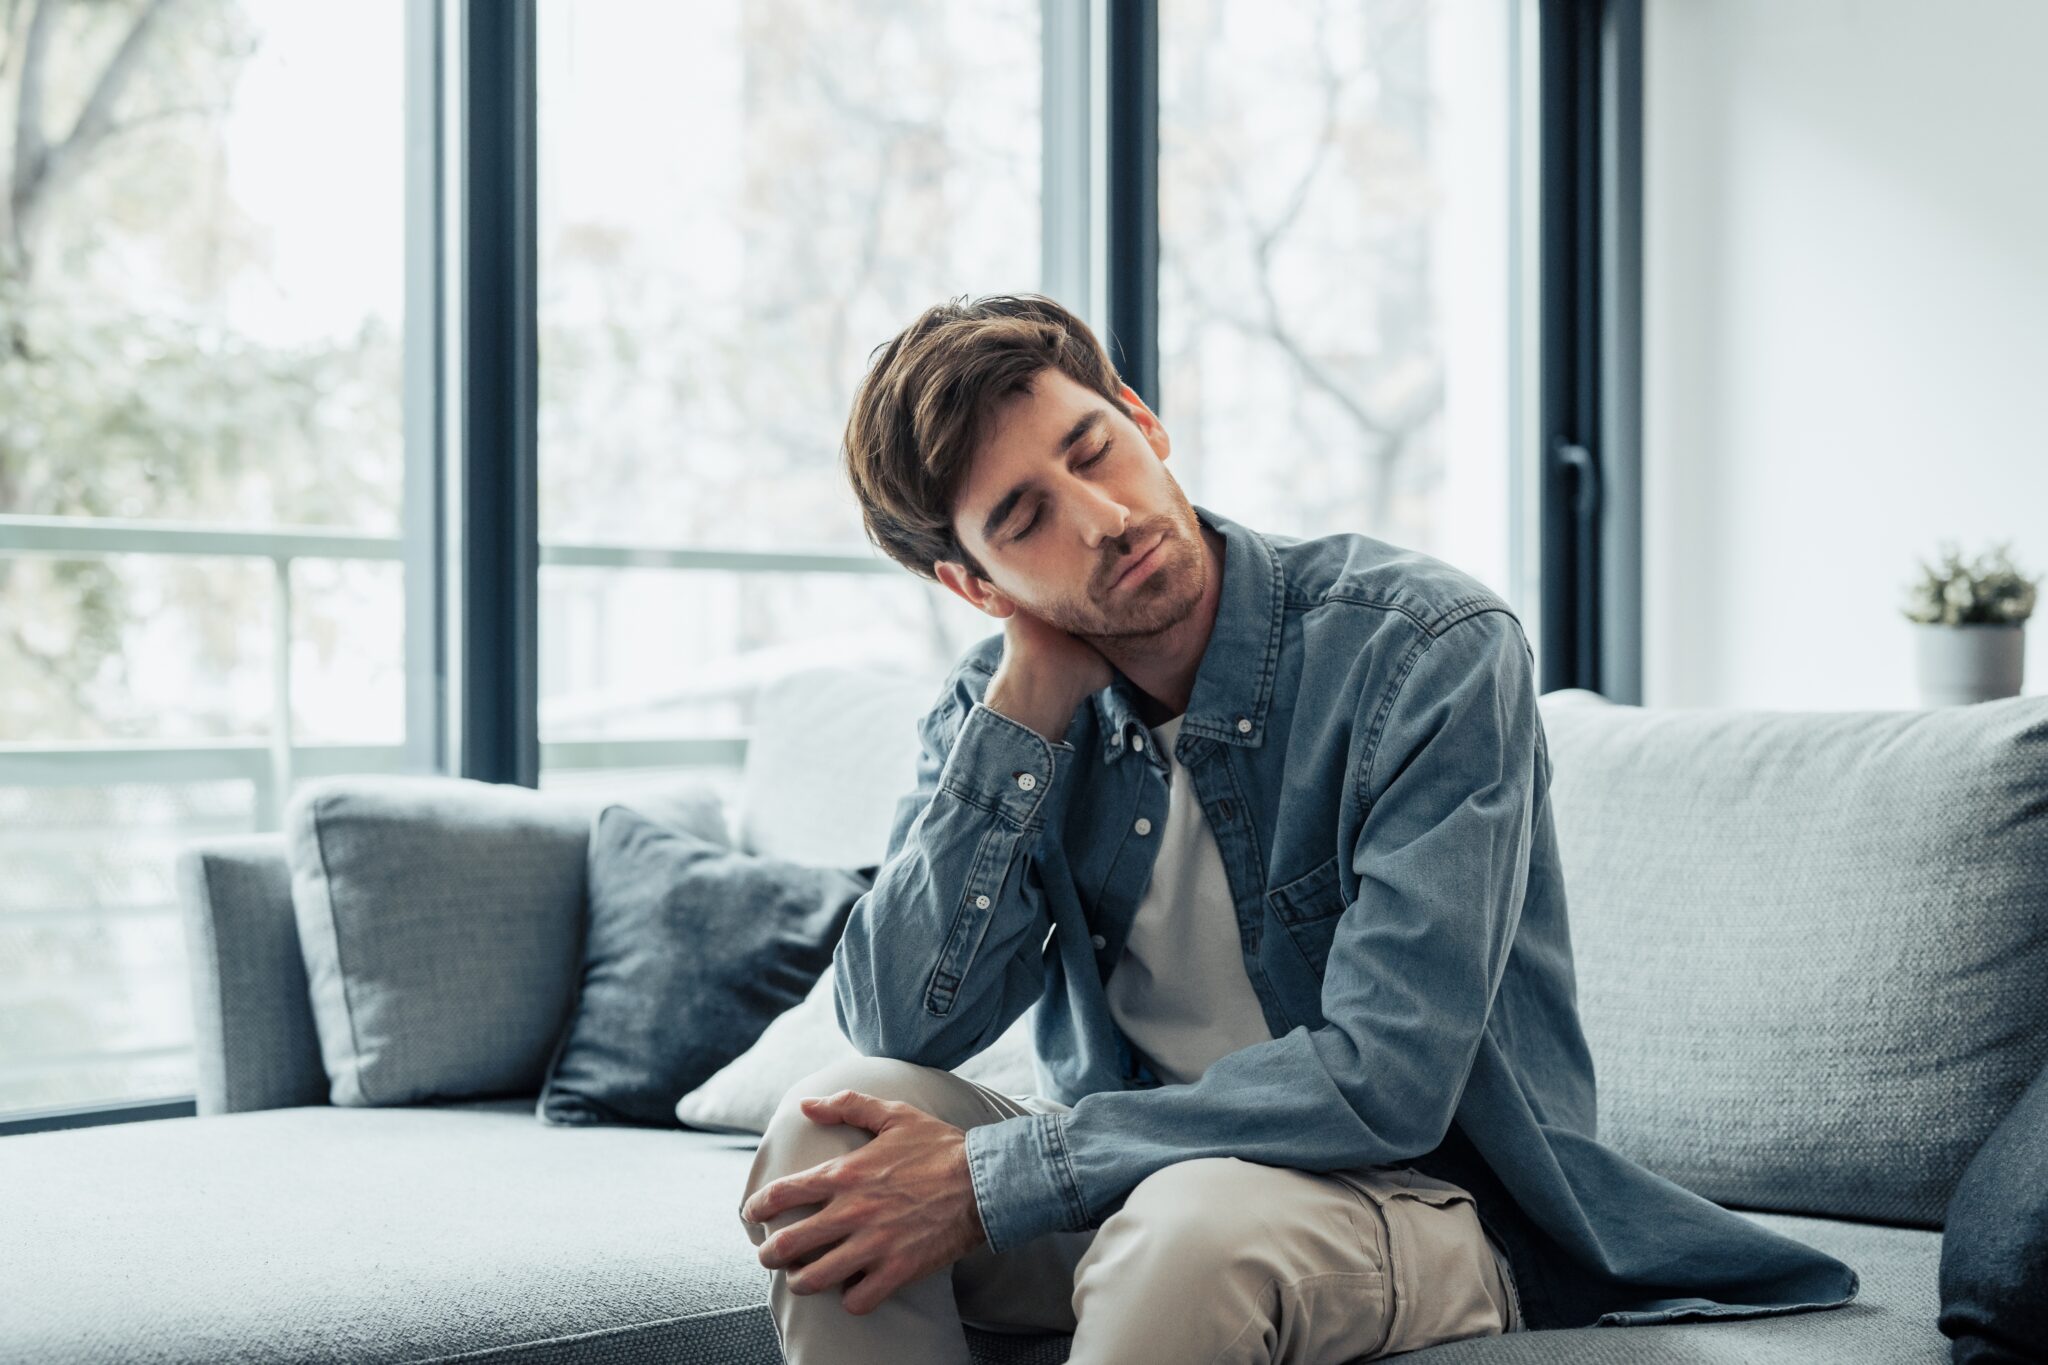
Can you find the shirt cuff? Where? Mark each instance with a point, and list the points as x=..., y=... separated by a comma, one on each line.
x=1023, y=1183
x=1003, y=765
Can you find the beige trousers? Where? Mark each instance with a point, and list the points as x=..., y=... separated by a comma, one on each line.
x=1208, y=1261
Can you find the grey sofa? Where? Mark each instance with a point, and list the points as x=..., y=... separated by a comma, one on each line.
x=1809, y=948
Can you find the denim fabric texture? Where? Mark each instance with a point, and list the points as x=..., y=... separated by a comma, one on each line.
x=1364, y=737
x=690, y=950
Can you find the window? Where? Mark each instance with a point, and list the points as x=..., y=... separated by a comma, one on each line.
x=210, y=576
x=200, y=477
x=732, y=215
x=1335, y=236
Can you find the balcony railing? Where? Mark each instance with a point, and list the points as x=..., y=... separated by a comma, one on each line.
x=274, y=764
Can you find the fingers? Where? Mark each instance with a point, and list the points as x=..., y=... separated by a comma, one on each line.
x=882, y=1278
x=852, y=1107
x=787, y=1246
x=813, y=1185
x=835, y=1265
x=803, y=1187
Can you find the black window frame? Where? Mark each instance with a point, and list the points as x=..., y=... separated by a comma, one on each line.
x=1589, y=369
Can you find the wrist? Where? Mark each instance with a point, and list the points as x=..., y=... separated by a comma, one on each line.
x=1041, y=704
x=977, y=1234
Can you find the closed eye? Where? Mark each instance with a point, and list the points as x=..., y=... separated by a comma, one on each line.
x=1089, y=463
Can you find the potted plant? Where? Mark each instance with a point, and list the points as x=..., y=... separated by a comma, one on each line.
x=1970, y=620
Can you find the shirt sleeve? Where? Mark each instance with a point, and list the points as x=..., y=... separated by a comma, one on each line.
x=1450, y=788
x=940, y=955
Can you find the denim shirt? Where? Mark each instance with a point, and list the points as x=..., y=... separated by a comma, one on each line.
x=1364, y=738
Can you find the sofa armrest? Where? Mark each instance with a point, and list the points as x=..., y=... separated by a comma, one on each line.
x=252, y=1020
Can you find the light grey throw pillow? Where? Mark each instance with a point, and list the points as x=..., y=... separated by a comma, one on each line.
x=440, y=920
x=1810, y=945
x=741, y=1096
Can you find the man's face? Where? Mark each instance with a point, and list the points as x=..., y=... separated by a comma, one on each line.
x=1065, y=495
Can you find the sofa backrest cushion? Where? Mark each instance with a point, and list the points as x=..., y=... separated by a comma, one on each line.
x=1811, y=947
x=440, y=922
x=830, y=753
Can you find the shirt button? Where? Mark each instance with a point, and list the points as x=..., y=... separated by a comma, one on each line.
x=1244, y=726
x=1143, y=826
x=1098, y=940
x=981, y=902
x=1027, y=780
x=1137, y=741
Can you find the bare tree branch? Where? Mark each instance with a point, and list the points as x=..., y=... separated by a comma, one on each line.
x=30, y=147
x=96, y=119
x=7, y=32
x=1388, y=433
x=38, y=166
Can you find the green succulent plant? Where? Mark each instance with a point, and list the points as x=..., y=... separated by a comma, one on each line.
x=1987, y=591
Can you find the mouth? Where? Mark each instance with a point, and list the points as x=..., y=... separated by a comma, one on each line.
x=1138, y=564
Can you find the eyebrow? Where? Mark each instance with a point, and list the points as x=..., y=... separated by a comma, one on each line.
x=1007, y=503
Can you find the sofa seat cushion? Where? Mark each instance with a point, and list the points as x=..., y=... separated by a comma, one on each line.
x=1891, y=1321
x=418, y=1233
x=403, y=1233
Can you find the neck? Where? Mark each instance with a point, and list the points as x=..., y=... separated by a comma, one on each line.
x=1163, y=665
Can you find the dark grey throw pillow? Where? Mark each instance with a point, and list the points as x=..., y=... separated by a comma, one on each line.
x=690, y=951
x=1994, y=1243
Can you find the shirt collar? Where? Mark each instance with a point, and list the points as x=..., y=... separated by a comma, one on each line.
x=1234, y=681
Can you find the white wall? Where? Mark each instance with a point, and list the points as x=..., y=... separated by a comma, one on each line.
x=1845, y=333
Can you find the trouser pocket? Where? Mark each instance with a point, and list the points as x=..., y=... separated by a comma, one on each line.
x=1447, y=1284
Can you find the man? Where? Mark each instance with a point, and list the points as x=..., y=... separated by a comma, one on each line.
x=1262, y=827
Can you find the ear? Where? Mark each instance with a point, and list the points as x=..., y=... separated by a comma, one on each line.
x=1148, y=423
x=976, y=591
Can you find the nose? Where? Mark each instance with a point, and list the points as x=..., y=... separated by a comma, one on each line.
x=1103, y=516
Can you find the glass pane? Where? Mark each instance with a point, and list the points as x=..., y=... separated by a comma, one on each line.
x=206, y=312
x=734, y=211
x=1334, y=291
x=709, y=301
x=348, y=656
x=656, y=653
x=135, y=647
x=97, y=1004
x=201, y=321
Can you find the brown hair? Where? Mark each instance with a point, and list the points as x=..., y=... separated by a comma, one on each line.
x=926, y=403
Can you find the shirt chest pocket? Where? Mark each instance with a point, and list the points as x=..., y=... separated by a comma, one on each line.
x=1308, y=907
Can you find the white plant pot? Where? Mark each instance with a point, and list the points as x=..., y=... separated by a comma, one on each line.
x=1980, y=661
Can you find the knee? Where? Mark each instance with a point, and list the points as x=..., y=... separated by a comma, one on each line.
x=883, y=1077
x=794, y=1141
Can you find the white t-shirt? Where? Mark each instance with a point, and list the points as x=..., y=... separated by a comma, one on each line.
x=1180, y=991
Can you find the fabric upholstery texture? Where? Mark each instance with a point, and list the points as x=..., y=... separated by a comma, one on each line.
x=1751, y=905
x=1994, y=1257
x=418, y=1233
x=690, y=949
x=439, y=921
x=1809, y=946
x=831, y=750
x=254, y=1040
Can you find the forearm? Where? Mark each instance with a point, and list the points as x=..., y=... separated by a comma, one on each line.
x=935, y=960
x=1300, y=1100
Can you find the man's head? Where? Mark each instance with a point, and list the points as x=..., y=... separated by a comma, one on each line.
x=993, y=448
